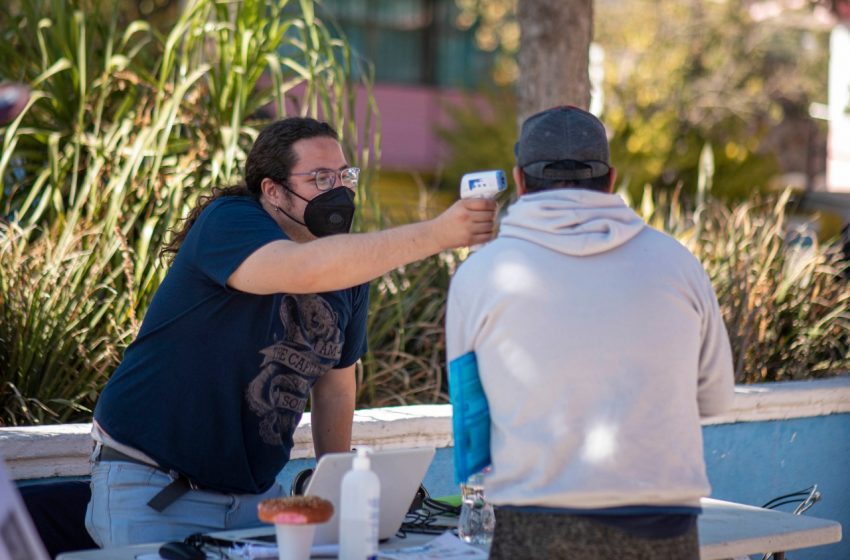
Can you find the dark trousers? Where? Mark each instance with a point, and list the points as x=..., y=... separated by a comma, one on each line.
x=524, y=535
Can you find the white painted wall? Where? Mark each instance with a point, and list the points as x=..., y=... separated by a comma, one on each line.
x=63, y=450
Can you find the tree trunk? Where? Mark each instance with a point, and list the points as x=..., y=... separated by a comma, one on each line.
x=555, y=40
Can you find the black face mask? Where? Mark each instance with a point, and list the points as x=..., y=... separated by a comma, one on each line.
x=327, y=214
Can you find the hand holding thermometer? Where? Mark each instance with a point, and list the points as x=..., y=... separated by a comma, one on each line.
x=482, y=184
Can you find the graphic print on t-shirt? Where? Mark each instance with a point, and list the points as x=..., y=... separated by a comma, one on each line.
x=310, y=347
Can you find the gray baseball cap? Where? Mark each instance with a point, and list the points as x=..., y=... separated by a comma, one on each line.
x=563, y=143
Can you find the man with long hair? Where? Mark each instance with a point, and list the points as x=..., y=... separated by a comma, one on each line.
x=263, y=307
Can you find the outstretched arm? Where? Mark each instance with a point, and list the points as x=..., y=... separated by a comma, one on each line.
x=342, y=261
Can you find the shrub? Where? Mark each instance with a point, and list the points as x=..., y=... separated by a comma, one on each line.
x=786, y=303
x=784, y=296
x=60, y=323
x=406, y=359
x=125, y=128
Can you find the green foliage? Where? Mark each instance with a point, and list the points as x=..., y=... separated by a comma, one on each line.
x=677, y=75
x=60, y=323
x=128, y=125
x=496, y=29
x=406, y=359
x=481, y=136
x=785, y=299
x=786, y=303
x=683, y=74
x=125, y=128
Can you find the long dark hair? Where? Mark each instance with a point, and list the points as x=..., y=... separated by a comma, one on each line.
x=271, y=156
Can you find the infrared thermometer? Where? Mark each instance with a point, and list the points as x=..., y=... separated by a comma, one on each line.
x=483, y=184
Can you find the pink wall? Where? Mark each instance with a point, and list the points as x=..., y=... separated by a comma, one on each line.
x=409, y=118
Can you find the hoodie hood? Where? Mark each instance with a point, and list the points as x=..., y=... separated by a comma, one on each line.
x=572, y=221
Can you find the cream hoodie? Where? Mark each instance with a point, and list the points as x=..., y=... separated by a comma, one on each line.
x=600, y=344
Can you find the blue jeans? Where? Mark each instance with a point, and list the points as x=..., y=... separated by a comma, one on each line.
x=118, y=513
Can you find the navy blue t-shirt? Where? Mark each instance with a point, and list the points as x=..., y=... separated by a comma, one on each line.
x=217, y=379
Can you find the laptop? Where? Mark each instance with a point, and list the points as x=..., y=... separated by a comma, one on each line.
x=18, y=537
x=400, y=472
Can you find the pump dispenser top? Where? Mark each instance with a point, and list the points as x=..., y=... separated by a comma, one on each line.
x=361, y=460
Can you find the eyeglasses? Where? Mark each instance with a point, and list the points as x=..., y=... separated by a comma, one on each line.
x=325, y=179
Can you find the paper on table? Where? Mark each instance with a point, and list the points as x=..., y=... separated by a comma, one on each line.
x=257, y=551
x=446, y=546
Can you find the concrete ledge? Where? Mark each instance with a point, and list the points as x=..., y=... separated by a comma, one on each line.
x=63, y=450
x=388, y=428
x=46, y=451
x=788, y=399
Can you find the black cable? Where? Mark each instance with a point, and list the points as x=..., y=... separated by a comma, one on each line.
x=423, y=515
x=208, y=544
x=806, y=498
x=774, y=506
x=425, y=519
x=442, y=507
x=800, y=493
x=813, y=498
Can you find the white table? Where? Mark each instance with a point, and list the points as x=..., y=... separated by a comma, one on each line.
x=131, y=552
x=726, y=530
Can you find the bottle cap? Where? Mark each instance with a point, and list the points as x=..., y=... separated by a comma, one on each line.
x=361, y=460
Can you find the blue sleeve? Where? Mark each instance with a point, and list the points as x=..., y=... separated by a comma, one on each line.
x=227, y=232
x=356, y=342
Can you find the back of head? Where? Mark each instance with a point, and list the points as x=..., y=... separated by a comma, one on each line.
x=272, y=154
x=563, y=147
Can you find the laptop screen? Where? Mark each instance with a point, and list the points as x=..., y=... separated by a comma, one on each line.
x=400, y=472
x=18, y=537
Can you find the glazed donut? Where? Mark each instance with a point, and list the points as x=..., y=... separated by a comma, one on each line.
x=295, y=510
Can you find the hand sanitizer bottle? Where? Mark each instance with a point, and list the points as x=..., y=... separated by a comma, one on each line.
x=359, y=514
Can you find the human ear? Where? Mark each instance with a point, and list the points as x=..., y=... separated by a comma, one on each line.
x=269, y=189
x=612, y=178
x=519, y=181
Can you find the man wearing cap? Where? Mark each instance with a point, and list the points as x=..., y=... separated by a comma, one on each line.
x=600, y=345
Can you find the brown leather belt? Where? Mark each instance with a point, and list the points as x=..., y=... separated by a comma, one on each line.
x=172, y=492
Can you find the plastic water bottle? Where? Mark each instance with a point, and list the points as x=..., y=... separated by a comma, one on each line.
x=359, y=510
x=477, y=519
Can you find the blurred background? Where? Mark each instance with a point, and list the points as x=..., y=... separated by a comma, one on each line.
x=728, y=122
x=751, y=78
